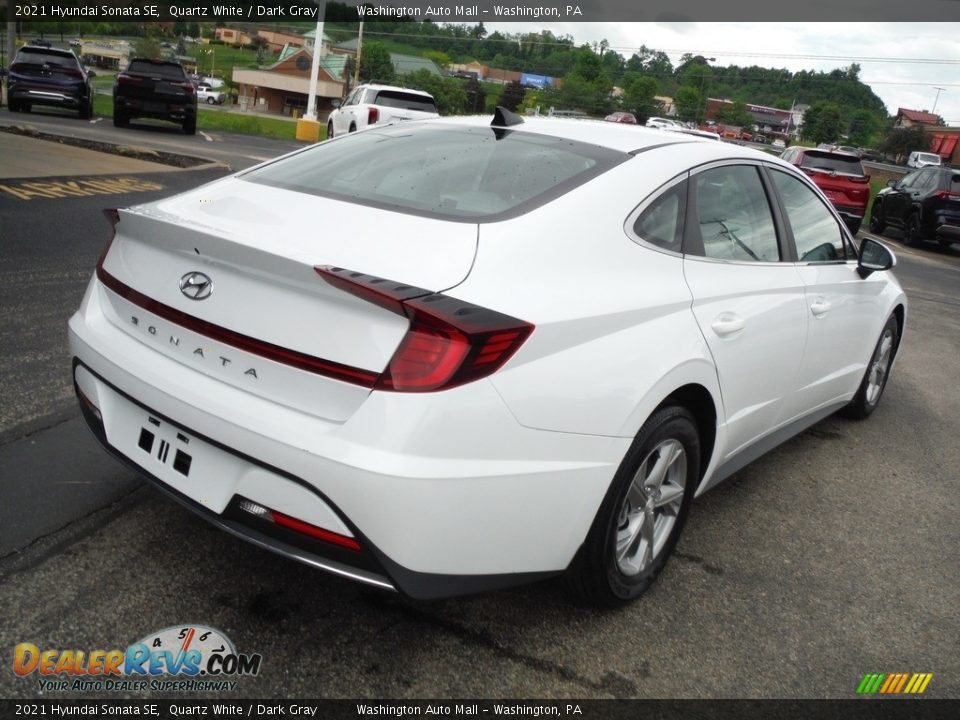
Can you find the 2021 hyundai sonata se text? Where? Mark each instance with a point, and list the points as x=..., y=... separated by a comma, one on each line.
x=447, y=356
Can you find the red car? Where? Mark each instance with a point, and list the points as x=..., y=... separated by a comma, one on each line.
x=622, y=117
x=841, y=177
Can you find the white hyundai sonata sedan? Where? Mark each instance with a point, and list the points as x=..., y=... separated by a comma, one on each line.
x=448, y=356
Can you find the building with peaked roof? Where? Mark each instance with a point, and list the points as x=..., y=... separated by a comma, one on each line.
x=910, y=118
x=283, y=87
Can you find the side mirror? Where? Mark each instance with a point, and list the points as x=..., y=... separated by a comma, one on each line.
x=892, y=182
x=874, y=257
x=91, y=73
x=336, y=102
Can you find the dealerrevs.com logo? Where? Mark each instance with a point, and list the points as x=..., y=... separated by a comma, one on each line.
x=183, y=658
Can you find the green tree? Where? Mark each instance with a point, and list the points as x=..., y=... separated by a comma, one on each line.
x=512, y=96
x=687, y=102
x=375, y=63
x=638, y=94
x=448, y=93
x=440, y=58
x=476, y=97
x=900, y=142
x=821, y=122
x=145, y=47
x=735, y=114
x=863, y=125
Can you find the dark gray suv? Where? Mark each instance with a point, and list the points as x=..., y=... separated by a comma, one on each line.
x=48, y=76
x=924, y=204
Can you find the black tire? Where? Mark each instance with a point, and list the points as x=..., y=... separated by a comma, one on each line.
x=25, y=107
x=596, y=574
x=353, y=128
x=211, y=101
x=120, y=118
x=854, y=225
x=872, y=386
x=86, y=110
x=329, y=130
x=877, y=224
x=13, y=105
x=190, y=126
x=911, y=231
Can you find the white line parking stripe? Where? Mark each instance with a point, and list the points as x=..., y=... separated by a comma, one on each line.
x=207, y=137
x=96, y=120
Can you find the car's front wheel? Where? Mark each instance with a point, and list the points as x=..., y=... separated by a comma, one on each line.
x=877, y=225
x=878, y=372
x=643, y=512
x=329, y=130
x=211, y=101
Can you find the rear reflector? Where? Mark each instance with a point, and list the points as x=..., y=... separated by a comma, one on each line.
x=449, y=342
x=299, y=526
x=373, y=114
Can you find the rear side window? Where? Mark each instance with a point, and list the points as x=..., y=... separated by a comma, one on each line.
x=162, y=70
x=451, y=172
x=955, y=183
x=406, y=101
x=661, y=223
x=734, y=214
x=831, y=162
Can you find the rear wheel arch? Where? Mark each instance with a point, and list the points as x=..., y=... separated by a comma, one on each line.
x=698, y=401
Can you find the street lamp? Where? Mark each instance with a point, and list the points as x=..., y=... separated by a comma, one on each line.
x=212, y=52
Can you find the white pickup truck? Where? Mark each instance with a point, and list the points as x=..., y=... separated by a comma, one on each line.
x=210, y=95
x=379, y=104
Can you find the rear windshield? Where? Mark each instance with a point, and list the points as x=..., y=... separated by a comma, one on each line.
x=43, y=56
x=167, y=71
x=832, y=162
x=929, y=157
x=406, y=101
x=466, y=174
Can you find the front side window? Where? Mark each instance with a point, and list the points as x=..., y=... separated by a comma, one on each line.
x=734, y=215
x=816, y=232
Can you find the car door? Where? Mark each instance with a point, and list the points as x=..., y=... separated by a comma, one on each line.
x=897, y=203
x=345, y=115
x=748, y=297
x=843, y=310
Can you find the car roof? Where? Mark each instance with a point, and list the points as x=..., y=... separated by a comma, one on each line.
x=616, y=136
x=377, y=86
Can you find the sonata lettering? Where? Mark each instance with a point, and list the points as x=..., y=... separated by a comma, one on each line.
x=199, y=352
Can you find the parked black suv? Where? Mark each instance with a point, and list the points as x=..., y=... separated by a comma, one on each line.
x=155, y=89
x=48, y=76
x=919, y=204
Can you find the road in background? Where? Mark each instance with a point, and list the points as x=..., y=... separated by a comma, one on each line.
x=831, y=557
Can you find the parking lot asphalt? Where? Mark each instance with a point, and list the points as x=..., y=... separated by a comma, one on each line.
x=831, y=557
x=25, y=157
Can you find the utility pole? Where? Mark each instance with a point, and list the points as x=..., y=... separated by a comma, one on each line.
x=308, y=127
x=939, y=90
x=356, y=67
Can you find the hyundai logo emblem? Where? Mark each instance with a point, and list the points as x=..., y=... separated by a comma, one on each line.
x=196, y=286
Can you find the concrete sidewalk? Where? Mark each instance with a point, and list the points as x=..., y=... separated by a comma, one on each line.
x=26, y=157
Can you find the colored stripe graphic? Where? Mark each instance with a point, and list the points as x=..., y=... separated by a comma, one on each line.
x=894, y=683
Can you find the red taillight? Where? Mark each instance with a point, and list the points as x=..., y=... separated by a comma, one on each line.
x=188, y=86
x=944, y=194
x=373, y=114
x=128, y=79
x=449, y=342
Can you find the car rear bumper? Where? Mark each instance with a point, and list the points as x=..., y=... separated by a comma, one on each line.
x=177, y=112
x=41, y=95
x=445, y=492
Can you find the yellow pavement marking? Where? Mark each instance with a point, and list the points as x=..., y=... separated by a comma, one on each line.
x=54, y=189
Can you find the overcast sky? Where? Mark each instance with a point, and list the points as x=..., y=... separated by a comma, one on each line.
x=901, y=62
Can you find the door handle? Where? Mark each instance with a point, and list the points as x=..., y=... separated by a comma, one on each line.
x=727, y=324
x=820, y=307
